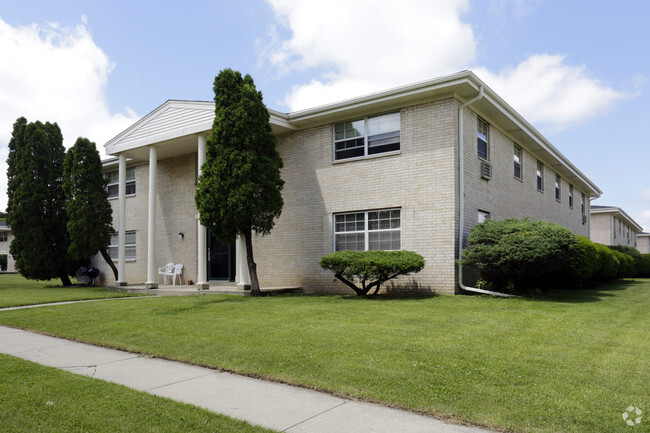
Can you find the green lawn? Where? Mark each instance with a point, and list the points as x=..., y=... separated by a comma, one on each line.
x=16, y=290
x=569, y=363
x=34, y=398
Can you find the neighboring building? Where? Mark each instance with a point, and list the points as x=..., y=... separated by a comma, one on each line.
x=381, y=171
x=643, y=243
x=6, y=236
x=610, y=225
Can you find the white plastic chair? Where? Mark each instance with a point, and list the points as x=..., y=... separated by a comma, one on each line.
x=177, y=271
x=168, y=269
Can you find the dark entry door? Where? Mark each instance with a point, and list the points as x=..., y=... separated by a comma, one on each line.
x=221, y=260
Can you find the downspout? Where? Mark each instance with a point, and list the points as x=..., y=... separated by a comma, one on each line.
x=461, y=192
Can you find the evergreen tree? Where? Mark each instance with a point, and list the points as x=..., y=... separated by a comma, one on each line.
x=239, y=189
x=36, y=207
x=89, y=212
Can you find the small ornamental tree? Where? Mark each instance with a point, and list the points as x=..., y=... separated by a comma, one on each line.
x=36, y=206
x=363, y=271
x=89, y=212
x=239, y=190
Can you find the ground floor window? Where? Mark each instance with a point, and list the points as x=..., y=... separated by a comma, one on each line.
x=129, y=245
x=483, y=216
x=368, y=230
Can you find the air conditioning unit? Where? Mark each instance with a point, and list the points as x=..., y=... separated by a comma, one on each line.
x=486, y=170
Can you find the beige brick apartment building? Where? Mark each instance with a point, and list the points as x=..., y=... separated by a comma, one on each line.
x=383, y=171
x=610, y=225
x=643, y=243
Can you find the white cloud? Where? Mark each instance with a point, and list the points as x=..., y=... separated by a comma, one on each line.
x=365, y=46
x=546, y=90
x=57, y=74
x=368, y=45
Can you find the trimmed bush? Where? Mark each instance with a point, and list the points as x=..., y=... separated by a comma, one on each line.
x=626, y=268
x=632, y=252
x=371, y=269
x=644, y=270
x=583, y=262
x=608, y=264
x=518, y=254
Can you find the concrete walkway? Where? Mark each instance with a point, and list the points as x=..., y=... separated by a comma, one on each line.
x=280, y=407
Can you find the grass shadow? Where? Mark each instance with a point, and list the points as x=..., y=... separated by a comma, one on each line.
x=596, y=293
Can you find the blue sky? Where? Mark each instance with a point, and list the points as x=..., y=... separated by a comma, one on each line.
x=578, y=70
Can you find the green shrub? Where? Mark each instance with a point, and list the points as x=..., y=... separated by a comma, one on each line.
x=518, y=253
x=644, y=270
x=626, y=268
x=608, y=264
x=583, y=262
x=632, y=252
x=371, y=269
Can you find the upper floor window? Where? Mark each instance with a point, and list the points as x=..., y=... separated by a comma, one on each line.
x=129, y=246
x=371, y=230
x=368, y=136
x=482, y=132
x=3, y=237
x=518, y=157
x=571, y=196
x=113, y=186
x=540, y=176
x=558, y=187
x=582, y=203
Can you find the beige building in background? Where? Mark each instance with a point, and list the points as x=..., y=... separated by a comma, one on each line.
x=410, y=168
x=643, y=243
x=610, y=225
x=6, y=236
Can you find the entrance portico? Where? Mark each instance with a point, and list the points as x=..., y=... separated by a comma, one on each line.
x=162, y=212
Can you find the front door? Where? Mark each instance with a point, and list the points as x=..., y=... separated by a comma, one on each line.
x=221, y=260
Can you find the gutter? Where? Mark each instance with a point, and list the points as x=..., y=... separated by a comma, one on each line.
x=461, y=192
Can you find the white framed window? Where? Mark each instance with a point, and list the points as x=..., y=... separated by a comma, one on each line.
x=483, y=216
x=482, y=137
x=367, y=136
x=3, y=237
x=571, y=196
x=368, y=230
x=540, y=176
x=518, y=160
x=113, y=182
x=129, y=245
x=558, y=187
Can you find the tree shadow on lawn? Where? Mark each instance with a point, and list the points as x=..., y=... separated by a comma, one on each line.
x=596, y=293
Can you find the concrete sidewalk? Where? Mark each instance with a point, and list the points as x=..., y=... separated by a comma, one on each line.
x=280, y=407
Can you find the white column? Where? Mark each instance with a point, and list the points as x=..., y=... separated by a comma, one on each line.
x=241, y=264
x=152, y=282
x=121, y=221
x=202, y=232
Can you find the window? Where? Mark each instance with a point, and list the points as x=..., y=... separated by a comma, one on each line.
x=483, y=216
x=582, y=203
x=571, y=196
x=518, y=156
x=540, y=176
x=113, y=186
x=129, y=245
x=3, y=237
x=482, y=139
x=372, y=230
x=558, y=187
x=369, y=136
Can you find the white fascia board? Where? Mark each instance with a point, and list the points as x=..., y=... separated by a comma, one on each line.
x=536, y=136
x=617, y=211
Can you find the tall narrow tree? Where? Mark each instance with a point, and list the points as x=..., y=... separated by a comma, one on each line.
x=90, y=215
x=36, y=206
x=239, y=190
